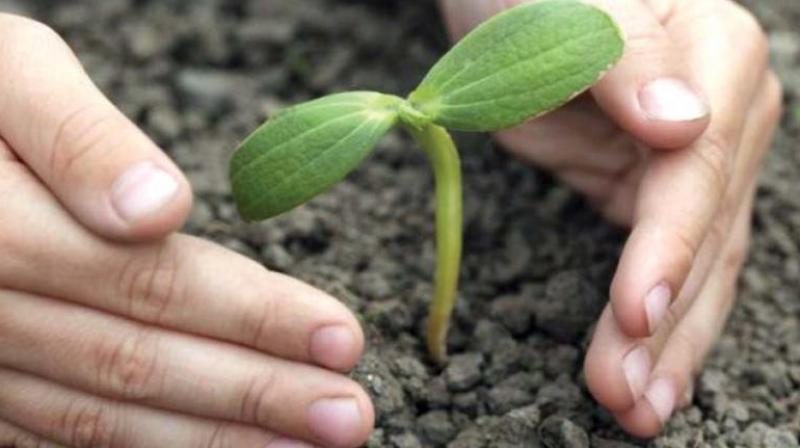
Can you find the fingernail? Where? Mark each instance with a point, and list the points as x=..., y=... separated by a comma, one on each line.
x=670, y=99
x=636, y=366
x=655, y=305
x=335, y=420
x=141, y=190
x=332, y=346
x=286, y=443
x=661, y=396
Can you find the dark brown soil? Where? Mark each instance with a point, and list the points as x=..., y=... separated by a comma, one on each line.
x=198, y=75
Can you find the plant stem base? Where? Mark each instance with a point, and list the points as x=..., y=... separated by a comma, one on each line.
x=443, y=155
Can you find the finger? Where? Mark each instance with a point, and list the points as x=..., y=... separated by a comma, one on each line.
x=680, y=199
x=13, y=437
x=619, y=368
x=552, y=143
x=600, y=161
x=182, y=283
x=651, y=92
x=105, y=171
x=611, y=195
x=687, y=346
x=756, y=139
x=78, y=420
x=135, y=363
x=617, y=364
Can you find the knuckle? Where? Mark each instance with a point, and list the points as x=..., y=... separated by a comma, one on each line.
x=215, y=440
x=719, y=233
x=88, y=425
x=686, y=246
x=256, y=399
x=735, y=258
x=714, y=156
x=222, y=436
x=129, y=367
x=259, y=321
x=152, y=284
x=82, y=133
x=720, y=228
x=737, y=254
x=670, y=320
x=645, y=41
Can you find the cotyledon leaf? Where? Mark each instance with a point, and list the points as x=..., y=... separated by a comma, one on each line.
x=305, y=149
x=520, y=64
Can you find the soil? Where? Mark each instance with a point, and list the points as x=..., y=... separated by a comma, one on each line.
x=199, y=75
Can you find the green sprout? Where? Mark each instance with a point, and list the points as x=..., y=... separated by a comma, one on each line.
x=520, y=64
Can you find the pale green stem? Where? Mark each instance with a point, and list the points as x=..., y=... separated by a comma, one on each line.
x=443, y=156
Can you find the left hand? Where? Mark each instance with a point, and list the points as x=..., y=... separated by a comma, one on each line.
x=669, y=143
x=114, y=330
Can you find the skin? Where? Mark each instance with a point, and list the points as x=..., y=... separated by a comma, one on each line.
x=678, y=166
x=135, y=336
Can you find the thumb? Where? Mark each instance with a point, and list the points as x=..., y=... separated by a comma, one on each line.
x=105, y=171
x=650, y=93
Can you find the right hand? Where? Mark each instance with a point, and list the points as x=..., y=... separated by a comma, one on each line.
x=669, y=143
x=114, y=332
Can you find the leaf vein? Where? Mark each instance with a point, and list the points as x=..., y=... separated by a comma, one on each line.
x=313, y=163
x=532, y=59
x=517, y=30
x=292, y=140
x=497, y=98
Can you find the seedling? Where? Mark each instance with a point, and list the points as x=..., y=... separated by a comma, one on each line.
x=517, y=66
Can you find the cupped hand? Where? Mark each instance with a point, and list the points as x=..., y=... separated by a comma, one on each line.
x=669, y=143
x=112, y=336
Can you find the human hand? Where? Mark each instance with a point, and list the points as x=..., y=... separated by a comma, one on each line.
x=669, y=143
x=113, y=336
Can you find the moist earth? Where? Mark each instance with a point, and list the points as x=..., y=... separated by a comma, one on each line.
x=199, y=75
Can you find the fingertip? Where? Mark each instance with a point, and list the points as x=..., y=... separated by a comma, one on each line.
x=640, y=422
x=337, y=340
x=342, y=422
x=616, y=372
x=648, y=417
x=337, y=347
x=608, y=389
x=651, y=268
x=665, y=113
x=147, y=200
x=628, y=308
